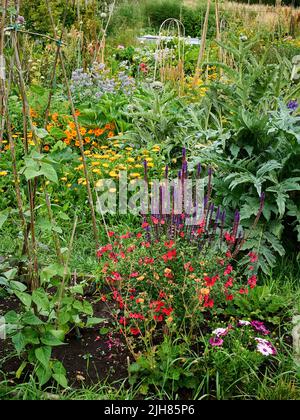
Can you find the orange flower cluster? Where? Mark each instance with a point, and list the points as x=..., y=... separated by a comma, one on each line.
x=89, y=136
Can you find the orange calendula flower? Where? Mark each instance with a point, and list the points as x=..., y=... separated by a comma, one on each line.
x=98, y=132
x=54, y=117
x=33, y=113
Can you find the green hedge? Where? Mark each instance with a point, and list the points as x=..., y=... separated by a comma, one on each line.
x=157, y=11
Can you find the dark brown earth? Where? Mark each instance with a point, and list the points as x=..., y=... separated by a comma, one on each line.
x=92, y=358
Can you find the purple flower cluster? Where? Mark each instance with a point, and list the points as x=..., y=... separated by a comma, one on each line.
x=293, y=105
x=263, y=346
x=95, y=83
x=260, y=327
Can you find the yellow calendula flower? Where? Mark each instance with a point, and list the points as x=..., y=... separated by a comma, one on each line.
x=64, y=178
x=69, y=185
x=79, y=168
x=3, y=173
x=121, y=167
x=82, y=181
x=130, y=160
x=113, y=174
x=138, y=166
x=96, y=163
x=105, y=165
x=97, y=171
x=104, y=147
x=129, y=149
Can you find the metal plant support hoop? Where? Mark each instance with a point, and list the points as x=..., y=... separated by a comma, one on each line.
x=170, y=29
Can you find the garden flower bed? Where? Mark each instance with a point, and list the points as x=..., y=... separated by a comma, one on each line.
x=149, y=212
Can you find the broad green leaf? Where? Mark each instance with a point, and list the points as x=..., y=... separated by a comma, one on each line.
x=58, y=368
x=43, y=355
x=30, y=319
x=43, y=374
x=61, y=380
x=50, y=340
x=3, y=217
x=17, y=286
x=87, y=308
x=11, y=317
x=40, y=298
x=25, y=298
x=57, y=133
x=19, y=342
x=49, y=172
x=31, y=173
x=94, y=321
x=41, y=133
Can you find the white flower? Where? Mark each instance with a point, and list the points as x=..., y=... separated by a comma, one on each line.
x=265, y=347
x=220, y=331
x=241, y=322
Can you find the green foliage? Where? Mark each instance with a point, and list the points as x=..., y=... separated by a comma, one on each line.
x=44, y=321
x=157, y=11
x=261, y=149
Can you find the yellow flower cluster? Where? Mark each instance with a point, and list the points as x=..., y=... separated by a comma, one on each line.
x=107, y=162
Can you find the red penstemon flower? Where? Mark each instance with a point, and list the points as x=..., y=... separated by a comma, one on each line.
x=253, y=257
x=252, y=281
x=228, y=270
x=135, y=331
x=169, y=244
x=170, y=255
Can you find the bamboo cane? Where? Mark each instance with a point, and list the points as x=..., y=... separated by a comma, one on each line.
x=203, y=44
x=75, y=118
